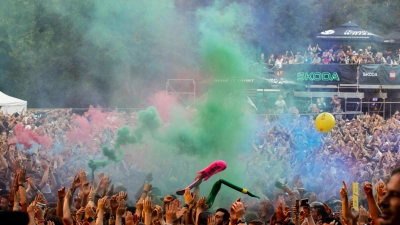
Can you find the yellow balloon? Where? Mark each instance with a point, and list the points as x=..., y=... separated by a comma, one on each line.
x=325, y=122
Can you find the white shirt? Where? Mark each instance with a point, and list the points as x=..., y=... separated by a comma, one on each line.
x=280, y=104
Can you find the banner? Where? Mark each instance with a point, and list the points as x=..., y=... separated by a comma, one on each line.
x=390, y=75
x=369, y=74
x=292, y=75
x=355, y=195
x=323, y=74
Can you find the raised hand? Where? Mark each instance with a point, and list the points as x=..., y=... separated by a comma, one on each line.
x=159, y=212
x=211, y=220
x=114, y=202
x=187, y=196
x=90, y=211
x=201, y=204
x=363, y=217
x=286, y=211
x=101, y=204
x=343, y=190
x=368, y=189
x=232, y=211
x=380, y=189
x=121, y=208
x=129, y=218
x=147, y=205
x=85, y=189
x=82, y=176
x=22, y=176
x=40, y=198
x=170, y=215
x=31, y=182
x=180, y=211
x=122, y=196
x=39, y=213
x=136, y=219
x=103, y=183
x=239, y=209
x=280, y=216
x=31, y=208
x=76, y=182
x=43, y=164
x=68, y=195
x=139, y=205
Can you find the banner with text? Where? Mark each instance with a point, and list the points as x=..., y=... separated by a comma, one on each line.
x=324, y=74
x=370, y=74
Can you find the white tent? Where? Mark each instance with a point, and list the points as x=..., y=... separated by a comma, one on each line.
x=10, y=104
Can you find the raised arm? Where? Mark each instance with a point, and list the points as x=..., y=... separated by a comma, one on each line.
x=345, y=203
x=374, y=210
x=45, y=174
x=200, y=207
x=20, y=189
x=53, y=182
x=67, y=219
x=60, y=202
x=101, y=210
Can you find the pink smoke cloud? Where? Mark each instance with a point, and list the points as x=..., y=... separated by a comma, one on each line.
x=28, y=137
x=164, y=103
x=86, y=131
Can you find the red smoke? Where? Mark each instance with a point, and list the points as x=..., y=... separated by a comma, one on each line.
x=164, y=104
x=86, y=131
x=27, y=137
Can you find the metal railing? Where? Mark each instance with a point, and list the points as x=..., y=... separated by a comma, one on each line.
x=170, y=89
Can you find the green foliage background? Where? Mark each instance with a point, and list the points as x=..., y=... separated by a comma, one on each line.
x=74, y=53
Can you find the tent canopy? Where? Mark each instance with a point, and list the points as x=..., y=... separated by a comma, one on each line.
x=348, y=32
x=392, y=38
x=10, y=104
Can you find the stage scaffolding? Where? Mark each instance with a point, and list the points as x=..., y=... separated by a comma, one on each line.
x=183, y=89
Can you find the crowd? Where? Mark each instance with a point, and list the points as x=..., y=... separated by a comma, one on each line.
x=47, y=181
x=338, y=54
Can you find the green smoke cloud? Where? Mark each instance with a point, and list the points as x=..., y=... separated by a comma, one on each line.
x=219, y=127
x=149, y=121
x=94, y=165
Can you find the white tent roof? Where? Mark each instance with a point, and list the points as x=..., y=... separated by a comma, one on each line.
x=10, y=104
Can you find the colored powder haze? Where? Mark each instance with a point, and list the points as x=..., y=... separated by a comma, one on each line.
x=139, y=45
